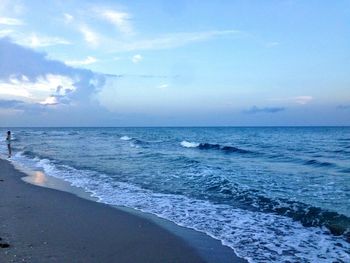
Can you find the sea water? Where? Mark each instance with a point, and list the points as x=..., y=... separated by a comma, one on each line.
x=271, y=194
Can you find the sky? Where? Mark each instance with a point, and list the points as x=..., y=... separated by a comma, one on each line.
x=174, y=63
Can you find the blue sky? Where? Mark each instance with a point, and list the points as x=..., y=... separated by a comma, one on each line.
x=174, y=63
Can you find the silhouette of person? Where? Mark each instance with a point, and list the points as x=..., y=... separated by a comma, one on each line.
x=8, y=142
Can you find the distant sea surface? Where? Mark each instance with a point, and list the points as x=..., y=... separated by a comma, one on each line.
x=271, y=194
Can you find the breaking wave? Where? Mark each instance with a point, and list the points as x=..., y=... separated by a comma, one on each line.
x=210, y=146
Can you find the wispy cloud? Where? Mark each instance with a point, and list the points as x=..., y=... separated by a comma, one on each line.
x=120, y=20
x=303, y=100
x=6, y=32
x=136, y=58
x=272, y=44
x=12, y=7
x=256, y=109
x=33, y=40
x=89, y=60
x=36, y=41
x=163, y=86
x=173, y=40
x=10, y=21
x=68, y=18
x=89, y=35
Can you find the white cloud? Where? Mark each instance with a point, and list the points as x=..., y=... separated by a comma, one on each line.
x=163, y=86
x=172, y=40
x=90, y=36
x=120, y=20
x=10, y=21
x=49, y=101
x=89, y=60
x=303, y=99
x=136, y=58
x=298, y=99
x=36, y=91
x=6, y=32
x=68, y=18
x=272, y=44
x=12, y=7
x=35, y=41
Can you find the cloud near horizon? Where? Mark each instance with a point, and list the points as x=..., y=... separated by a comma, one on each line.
x=29, y=78
x=255, y=109
x=343, y=107
x=301, y=100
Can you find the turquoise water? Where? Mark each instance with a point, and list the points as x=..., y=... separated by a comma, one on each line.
x=271, y=194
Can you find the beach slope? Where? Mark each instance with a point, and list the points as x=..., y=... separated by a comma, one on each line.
x=46, y=225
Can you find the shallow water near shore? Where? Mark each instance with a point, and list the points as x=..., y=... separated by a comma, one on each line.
x=208, y=248
x=271, y=194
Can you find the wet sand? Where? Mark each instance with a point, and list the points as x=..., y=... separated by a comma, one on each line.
x=47, y=225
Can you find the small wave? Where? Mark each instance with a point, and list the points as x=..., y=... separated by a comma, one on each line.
x=209, y=146
x=307, y=215
x=28, y=153
x=187, y=144
x=317, y=163
x=344, y=139
x=140, y=142
x=57, y=133
x=125, y=138
x=108, y=158
x=133, y=145
x=342, y=151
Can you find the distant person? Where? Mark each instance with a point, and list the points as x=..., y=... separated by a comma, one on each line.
x=8, y=141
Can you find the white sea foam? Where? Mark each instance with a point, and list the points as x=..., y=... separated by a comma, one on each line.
x=125, y=138
x=187, y=144
x=258, y=237
x=134, y=145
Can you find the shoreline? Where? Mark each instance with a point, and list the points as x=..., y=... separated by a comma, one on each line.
x=37, y=220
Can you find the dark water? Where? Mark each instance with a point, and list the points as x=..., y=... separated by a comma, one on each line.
x=272, y=194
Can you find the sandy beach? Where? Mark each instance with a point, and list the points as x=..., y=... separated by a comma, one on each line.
x=47, y=225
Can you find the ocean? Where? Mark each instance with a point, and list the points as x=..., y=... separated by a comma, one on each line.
x=272, y=194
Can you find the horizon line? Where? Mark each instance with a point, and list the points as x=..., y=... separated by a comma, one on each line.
x=185, y=126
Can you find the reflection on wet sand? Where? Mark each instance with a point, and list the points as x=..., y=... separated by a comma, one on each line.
x=39, y=178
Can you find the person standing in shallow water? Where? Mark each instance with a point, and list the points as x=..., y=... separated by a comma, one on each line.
x=8, y=141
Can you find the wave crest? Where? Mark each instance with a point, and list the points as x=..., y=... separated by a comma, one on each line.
x=187, y=144
x=125, y=138
x=210, y=146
